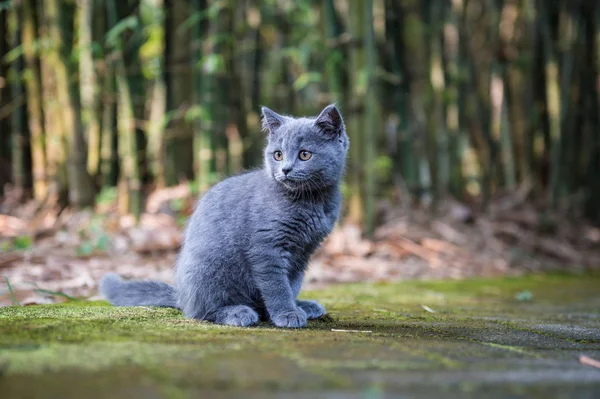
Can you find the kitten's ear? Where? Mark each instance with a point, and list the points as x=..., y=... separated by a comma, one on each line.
x=271, y=120
x=330, y=120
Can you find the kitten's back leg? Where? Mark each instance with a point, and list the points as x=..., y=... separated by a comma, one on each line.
x=237, y=315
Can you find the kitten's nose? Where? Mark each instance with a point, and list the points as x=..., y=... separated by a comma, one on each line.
x=286, y=170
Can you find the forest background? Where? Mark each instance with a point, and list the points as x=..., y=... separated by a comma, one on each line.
x=474, y=127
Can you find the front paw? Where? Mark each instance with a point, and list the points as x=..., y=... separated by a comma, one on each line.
x=313, y=309
x=294, y=319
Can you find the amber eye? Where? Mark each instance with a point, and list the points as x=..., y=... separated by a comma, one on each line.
x=278, y=155
x=305, y=155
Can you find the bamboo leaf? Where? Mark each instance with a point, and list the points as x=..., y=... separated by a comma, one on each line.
x=212, y=63
x=13, y=55
x=305, y=79
x=113, y=35
x=196, y=112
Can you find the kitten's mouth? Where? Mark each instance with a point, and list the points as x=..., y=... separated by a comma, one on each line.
x=289, y=182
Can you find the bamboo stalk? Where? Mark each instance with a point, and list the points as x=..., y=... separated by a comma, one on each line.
x=335, y=57
x=16, y=92
x=129, y=184
x=81, y=191
x=203, y=97
x=371, y=119
x=355, y=121
x=437, y=136
x=553, y=106
x=151, y=54
x=34, y=107
x=454, y=107
x=88, y=87
x=108, y=156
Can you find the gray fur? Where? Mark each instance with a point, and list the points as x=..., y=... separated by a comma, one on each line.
x=137, y=293
x=249, y=240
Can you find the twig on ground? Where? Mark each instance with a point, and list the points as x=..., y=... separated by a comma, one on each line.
x=428, y=309
x=588, y=361
x=351, y=331
x=8, y=259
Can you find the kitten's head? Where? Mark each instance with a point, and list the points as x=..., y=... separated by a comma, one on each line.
x=305, y=154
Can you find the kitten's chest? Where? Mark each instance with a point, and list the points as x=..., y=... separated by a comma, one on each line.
x=303, y=229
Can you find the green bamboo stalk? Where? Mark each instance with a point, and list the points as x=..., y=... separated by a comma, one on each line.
x=88, y=85
x=553, y=106
x=108, y=157
x=453, y=88
x=203, y=126
x=334, y=61
x=530, y=111
x=151, y=54
x=569, y=23
x=415, y=46
x=372, y=116
x=81, y=191
x=519, y=83
x=55, y=148
x=5, y=139
x=436, y=131
x=356, y=122
x=237, y=131
x=500, y=125
x=222, y=29
x=16, y=86
x=34, y=107
x=478, y=67
x=594, y=170
x=179, y=145
x=130, y=183
x=403, y=155
x=597, y=59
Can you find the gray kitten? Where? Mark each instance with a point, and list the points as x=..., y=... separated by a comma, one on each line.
x=249, y=240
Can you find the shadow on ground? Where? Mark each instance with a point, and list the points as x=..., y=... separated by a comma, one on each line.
x=378, y=341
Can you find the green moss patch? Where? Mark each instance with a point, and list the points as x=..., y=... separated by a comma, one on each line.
x=90, y=349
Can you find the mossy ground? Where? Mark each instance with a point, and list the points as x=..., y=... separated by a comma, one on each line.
x=480, y=339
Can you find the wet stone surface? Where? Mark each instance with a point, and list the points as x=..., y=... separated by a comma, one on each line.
x=480, y=341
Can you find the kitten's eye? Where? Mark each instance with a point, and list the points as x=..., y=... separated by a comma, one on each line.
x=278, y=155
x=305, y=155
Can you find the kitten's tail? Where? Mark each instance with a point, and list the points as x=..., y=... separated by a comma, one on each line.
x=120, y=292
